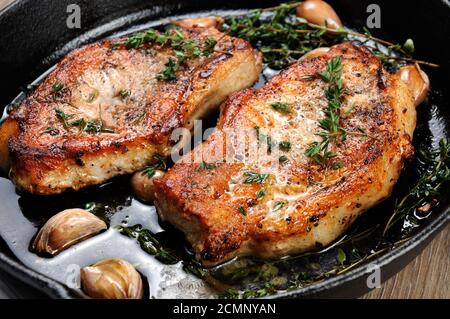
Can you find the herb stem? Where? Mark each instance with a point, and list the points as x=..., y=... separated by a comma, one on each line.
x=422, y=190
x=284, y=51
x=287, y=6
x=375, y=39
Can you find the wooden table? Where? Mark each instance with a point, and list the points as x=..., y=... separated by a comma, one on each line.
x=427, y=276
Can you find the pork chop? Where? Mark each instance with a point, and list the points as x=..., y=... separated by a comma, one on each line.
x=109, y=107
x=285, y=201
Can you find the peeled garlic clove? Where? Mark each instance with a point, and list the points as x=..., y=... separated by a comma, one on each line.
x=112, y=279
x=202, y=22
x=315, y=53
x=317, y=12
x=66, y=229
x=417, y=81
x=143, y=185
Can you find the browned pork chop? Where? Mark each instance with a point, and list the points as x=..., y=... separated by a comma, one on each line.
x=286, y=202
x=107, y=109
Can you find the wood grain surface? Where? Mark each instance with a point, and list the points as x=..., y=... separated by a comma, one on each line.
x=427, y=276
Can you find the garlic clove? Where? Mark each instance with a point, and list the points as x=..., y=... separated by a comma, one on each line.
x=319, y=12
x=143, y=186
x=112, y=279
x=202, y=22
x=315, y=53
x=66, y=229
x=416, y=80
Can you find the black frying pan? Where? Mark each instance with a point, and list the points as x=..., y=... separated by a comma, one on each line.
x=34, y=37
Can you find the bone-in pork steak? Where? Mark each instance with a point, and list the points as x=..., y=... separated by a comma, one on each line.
x=286, y=201
x=109, y=107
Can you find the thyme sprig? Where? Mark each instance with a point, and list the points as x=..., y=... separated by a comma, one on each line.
x=434, y=171
x=283, y=38
x=321, y=152
x=149, y=243
x=152, y=246
x=90, y=126
x=255, y=178
x=184, y=49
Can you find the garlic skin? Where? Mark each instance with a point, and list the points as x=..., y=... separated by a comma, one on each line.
x=417, y=81
x=112, y=279
x=315, y=53
x=143, y=186
x=317, y=12
x=201, y=22
x=66, y=229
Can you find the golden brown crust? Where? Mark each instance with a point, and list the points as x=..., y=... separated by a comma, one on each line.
x=118, y=86
x=320, y=203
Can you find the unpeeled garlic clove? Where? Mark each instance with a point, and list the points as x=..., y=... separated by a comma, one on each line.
x=112, y=279
x=202, y=22
x=315, y=53
x=66, y=229
x=317, y=12
x=143, y=185
x=417, y=81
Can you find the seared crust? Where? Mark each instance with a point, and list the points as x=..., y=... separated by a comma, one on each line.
x=119, y=87
x=221, y=214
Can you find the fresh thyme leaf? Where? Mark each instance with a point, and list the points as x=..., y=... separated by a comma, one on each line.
x=63, y=117
x=57, y=87
x=313, y=150
x=255, y=178
x=90, y=206
x=51, y=130
x=242, y=210
x=166, y=257
x=169, y=72
x=281, y=107
x=261, y=193
x=96, y=126
x=195, y=268
x=409, y=46
x=278, y=206
x=285, y=145
x=337, y=165
x=80, y=123
x=92, y=96
x=93, y=126
x=267, y=139
x=283, y=158
x=124, y=94
x=160, y=164
x=203, y=165
x=230, y=293
x=209, y=46
x=333, y=71
x=341, y=257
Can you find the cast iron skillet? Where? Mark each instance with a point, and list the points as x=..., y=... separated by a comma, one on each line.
x=34, y=37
